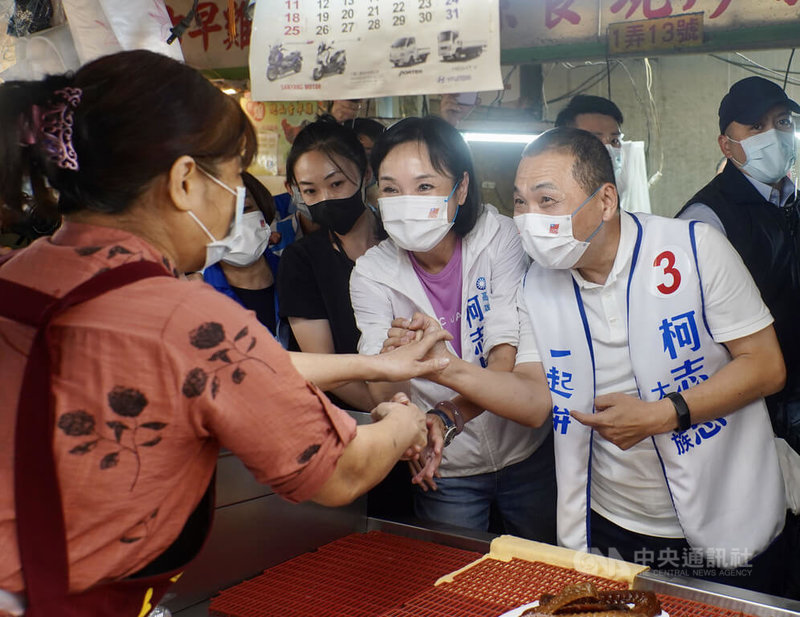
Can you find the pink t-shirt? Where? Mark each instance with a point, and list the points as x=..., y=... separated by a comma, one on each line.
x=444, y=291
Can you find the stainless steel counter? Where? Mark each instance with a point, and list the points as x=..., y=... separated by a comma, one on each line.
x=255, y=529
x=714, y=594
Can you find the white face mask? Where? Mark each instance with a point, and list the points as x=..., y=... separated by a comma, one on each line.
x=416, y=223
x=616, y=159
x=250, y=243
x=217, y=249
x=769, y=155
x=549, y=240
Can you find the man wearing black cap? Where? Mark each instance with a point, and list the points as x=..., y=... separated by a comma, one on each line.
x=754, y=203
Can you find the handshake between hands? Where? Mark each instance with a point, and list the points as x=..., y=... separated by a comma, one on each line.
x=425, y=455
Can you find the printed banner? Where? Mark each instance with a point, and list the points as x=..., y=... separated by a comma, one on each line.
x=528, y=23
x=345, y=49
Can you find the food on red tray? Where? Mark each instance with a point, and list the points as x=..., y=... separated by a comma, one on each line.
x=585, y=600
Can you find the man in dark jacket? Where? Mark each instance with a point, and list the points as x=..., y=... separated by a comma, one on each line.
x=754, y=203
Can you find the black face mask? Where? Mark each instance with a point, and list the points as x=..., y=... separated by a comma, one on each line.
x=338, y=215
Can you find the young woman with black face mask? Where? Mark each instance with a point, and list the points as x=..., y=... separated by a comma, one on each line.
x=326, y=171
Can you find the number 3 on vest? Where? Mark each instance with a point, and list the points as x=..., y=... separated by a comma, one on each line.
x=666, y=262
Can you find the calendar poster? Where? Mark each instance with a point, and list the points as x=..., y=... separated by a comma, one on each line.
x=345, y=49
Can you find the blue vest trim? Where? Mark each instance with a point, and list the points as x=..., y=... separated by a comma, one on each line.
x=693, y=239
x=666, y=480
x=634, y=261
x=588, y=334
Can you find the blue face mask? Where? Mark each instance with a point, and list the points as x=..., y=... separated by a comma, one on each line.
x=769, y=155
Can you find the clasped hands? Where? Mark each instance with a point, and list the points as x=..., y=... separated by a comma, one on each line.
x=417, y=350
x=424, y=463
x=621, y=419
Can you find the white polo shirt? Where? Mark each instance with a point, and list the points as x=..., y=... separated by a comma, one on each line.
x=628, y=487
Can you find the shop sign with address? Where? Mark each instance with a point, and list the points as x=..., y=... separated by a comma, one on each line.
x=655, y=34
x=529, y=23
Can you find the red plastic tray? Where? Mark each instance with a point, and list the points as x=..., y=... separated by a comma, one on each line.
x=359, y=575
x=380, y=575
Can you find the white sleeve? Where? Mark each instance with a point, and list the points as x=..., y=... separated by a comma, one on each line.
x=527, y=351
x=701, y=212
x=507, y=267
x=372, y=310
x=733, y=305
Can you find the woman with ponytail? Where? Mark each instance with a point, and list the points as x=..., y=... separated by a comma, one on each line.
x=327, y=173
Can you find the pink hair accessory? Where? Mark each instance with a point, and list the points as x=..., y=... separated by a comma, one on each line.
x=56, y=128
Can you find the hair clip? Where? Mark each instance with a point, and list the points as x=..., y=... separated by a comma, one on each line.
x=30, y=128
x=56, y=129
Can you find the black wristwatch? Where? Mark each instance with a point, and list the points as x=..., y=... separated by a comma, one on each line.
x=450, y=429
x=681, y=409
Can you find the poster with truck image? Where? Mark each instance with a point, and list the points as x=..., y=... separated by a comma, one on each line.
x=453, y=47
x=405, y=51
x=345, y=49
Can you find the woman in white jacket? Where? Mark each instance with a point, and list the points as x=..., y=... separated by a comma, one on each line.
x=450, y=256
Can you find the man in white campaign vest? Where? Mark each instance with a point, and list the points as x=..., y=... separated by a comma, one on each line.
x=648, y=341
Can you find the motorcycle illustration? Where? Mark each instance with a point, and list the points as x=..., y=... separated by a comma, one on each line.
x=281, y=64
x=328, y=61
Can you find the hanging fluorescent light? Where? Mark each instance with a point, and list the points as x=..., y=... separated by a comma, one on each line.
x=502, y=138
x=230, y=91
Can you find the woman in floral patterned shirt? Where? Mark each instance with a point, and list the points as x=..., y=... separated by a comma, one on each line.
x=149, y=380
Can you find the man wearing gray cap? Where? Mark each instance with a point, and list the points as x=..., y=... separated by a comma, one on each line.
x=754, y=203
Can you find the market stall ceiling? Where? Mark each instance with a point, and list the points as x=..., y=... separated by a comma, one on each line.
x=543, y=31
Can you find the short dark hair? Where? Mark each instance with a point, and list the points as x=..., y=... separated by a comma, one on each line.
x=330, y=138
x=261, y=196
x=587, y=104
x=137, y=115
x=369, y=127
x=592, y=166
x=449, y=155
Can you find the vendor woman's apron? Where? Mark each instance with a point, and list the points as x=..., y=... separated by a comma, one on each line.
x=40, y=519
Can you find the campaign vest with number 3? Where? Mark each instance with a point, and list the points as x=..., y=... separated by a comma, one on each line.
x=723, y=475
